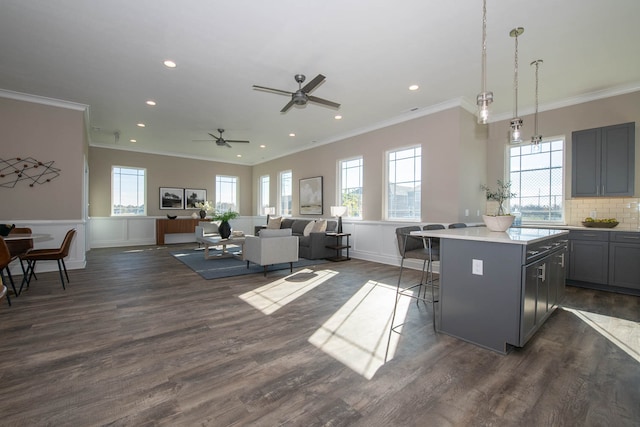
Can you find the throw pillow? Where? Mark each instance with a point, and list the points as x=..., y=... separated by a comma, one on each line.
x=274, y=222
x=308, y=228
x=319, y=226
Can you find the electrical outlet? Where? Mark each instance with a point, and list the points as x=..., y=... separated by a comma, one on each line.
x=593, y=214
x=466, y=212
x=476, y=267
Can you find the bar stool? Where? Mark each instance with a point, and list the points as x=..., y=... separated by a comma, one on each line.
x=457, y=225
x=413, y=247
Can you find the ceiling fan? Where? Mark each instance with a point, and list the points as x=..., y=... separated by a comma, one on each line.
x=301, y=96
x=220, y=141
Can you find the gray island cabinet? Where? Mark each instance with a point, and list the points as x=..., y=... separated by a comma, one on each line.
x=498, y=288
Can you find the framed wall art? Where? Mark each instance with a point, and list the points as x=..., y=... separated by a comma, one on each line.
x=171, y=198
x=311, y=196
x=193, y=196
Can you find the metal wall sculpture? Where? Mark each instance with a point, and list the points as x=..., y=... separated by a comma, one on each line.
x=30, y=170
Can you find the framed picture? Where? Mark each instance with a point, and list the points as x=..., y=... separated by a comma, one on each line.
x=311, y=196
x=193, y=196
x=171, y=198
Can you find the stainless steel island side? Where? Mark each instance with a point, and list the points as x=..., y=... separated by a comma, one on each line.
x=498, y=288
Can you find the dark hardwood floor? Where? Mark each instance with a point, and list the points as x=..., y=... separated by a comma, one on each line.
x=140, y=339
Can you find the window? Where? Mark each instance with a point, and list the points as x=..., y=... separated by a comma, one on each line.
x=404, y=171
x=128, y=193
x=350, y=184
x=264, y=194
x=226, y=193
x=536, y=178
x=284, y=196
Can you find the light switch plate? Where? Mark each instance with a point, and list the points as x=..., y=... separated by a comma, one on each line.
x=476, y=267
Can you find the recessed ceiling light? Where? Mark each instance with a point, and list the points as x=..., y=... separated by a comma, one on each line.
x=238, y=155
x=414, y=87
x=151, y=102
x=262, y=146
x=292, y=134
x=338, y=117
x=133, y=140
x=141, y=125
x=170, y=64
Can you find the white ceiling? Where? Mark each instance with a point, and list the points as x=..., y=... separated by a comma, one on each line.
x=108, y=54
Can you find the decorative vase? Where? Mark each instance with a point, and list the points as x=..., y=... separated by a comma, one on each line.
x=499, y=222
x=224, y=229
x=203, y=214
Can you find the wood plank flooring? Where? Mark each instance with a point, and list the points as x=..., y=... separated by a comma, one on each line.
x=138, y=339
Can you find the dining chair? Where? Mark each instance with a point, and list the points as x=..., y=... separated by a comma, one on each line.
x=5, y=259
x=17, y=248
x=57, y=254
x=457, y=225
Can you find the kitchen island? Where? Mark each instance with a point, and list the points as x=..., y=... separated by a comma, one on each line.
x=498, y=288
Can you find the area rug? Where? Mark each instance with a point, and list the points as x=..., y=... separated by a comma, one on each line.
x=227, y=267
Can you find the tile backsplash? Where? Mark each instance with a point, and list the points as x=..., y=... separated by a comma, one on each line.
x=625, y=209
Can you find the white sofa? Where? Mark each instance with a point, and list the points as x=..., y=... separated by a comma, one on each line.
x=271, y=246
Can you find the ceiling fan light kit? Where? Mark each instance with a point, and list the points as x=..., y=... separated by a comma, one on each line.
x=301, y=96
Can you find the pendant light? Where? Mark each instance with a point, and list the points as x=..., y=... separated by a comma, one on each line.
x=516, y=122
x=484, y=98
x=536, y=138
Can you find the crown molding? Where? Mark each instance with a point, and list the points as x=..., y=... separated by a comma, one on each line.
x=52, y=102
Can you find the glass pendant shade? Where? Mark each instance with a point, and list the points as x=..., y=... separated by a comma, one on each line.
x=516, y=130
x=484, y=101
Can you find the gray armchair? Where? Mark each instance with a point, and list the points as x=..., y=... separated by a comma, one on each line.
x=271, y=247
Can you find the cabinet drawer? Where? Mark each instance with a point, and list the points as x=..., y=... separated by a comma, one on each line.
x=600, y=236
x=621, y=237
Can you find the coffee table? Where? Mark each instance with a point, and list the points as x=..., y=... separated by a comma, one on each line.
x=216, y=241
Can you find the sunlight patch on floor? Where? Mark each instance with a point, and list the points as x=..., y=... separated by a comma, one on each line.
x=358, y=332
x=277, y=294
x=623, y=333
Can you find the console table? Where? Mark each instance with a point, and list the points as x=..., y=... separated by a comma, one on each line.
x=174, y=226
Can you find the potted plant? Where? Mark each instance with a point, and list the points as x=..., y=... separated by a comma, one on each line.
x=224, y=217
x=502, y=220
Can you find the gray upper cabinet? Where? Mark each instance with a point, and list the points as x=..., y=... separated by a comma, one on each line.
x=603, y=161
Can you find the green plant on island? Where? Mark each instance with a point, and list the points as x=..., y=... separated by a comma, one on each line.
x=604, y=220
x=225, y=216
x=502, y=193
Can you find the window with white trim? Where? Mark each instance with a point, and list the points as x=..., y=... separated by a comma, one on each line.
x=128, y=191
x=285, y=192
x=536, y=175
x=226, y=193
x=350, y=184
x=263, y=186
x=404, y=184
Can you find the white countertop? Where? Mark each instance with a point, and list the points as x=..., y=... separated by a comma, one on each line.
x=521, y=236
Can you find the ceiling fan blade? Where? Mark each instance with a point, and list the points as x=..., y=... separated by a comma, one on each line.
x=236, y=140
x=286, y=107
x=270, y=89
x=202, y=140
x=227, y=144
x=313, y=83
x=323, y=101
x=214, y=137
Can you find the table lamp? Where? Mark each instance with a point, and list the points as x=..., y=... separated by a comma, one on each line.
x=339, y=211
